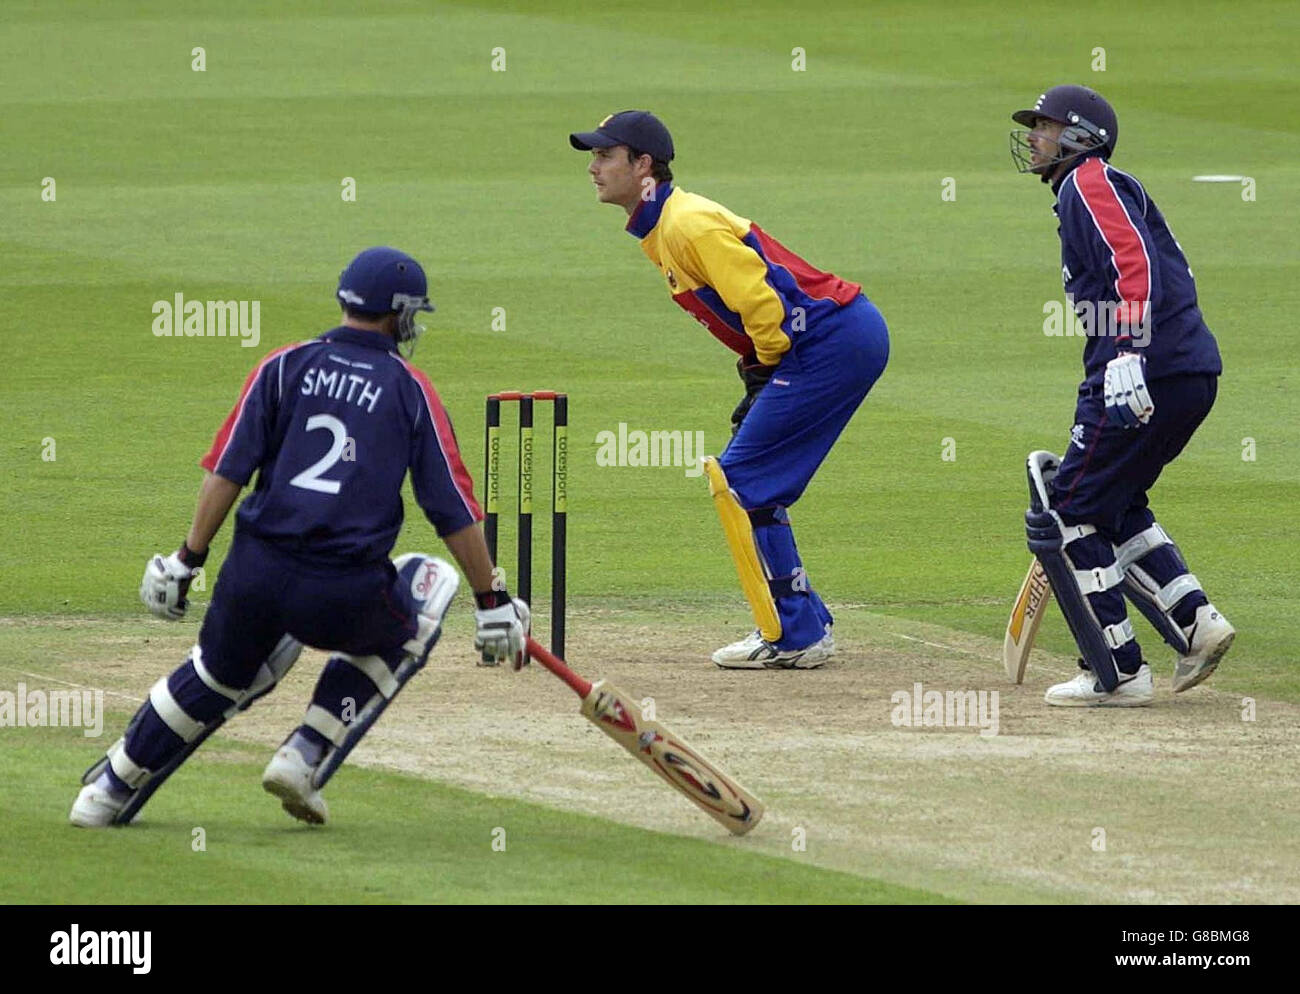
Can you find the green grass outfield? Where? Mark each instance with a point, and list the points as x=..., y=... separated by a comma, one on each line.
x=447, y=845
x=225, y=184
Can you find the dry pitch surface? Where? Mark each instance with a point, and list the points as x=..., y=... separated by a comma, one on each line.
x=1196, y=804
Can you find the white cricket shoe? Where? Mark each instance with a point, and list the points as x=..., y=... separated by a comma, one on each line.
x=288, y=777
x=1084, y=691
x=752, y=653
x=739, y=651
x=97, y=805
x=1210, y=636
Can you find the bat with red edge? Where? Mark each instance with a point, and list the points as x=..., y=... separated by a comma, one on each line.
x=617, y=714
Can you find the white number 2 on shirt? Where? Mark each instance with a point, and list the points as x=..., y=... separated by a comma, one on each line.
x=309, y=478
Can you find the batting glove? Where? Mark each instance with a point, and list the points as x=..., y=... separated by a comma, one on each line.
x=502, y=630
x=1128, y=402
x=167, y=581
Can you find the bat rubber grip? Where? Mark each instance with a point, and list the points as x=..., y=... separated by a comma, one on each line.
x=557, y=666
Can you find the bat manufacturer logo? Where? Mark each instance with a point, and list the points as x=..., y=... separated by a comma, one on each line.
x=695, y=775
x=612, y=712
x=615, y=713
x=687, y=771
x=1018, y=616
x=424, y=579
x=1028, y=604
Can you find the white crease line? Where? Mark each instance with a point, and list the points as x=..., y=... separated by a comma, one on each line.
x=940, y=645
x=79, y=686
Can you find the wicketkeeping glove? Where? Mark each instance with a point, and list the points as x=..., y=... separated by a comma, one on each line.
x=1128, y=402
x=167, y=582
x=738, y=415
x=755, y=376
x=502, y=631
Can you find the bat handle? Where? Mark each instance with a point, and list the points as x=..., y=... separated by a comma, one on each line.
x=556, y=665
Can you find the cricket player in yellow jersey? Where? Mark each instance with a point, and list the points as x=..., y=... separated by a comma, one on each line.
x=810, y=346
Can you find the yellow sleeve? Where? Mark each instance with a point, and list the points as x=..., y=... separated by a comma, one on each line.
x=739, y=276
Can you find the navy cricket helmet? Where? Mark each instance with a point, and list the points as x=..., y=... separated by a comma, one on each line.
x=1090, y=126
x=382, y=281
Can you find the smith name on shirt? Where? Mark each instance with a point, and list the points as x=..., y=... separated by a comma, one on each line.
x=341, y=386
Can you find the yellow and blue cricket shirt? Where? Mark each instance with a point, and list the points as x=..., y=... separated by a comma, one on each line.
x=749, y=290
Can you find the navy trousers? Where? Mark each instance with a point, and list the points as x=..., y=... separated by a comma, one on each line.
x=1103, y=482
x=262, y=594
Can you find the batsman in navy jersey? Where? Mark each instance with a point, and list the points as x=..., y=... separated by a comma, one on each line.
x=326, y=431
x=1151, y=369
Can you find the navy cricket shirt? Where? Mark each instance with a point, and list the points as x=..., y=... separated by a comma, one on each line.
x=1116, y=249
x=331, y=427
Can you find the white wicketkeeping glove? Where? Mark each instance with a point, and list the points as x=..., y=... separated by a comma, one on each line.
x=1128, y=402
x=165, y=584
x=501, y=633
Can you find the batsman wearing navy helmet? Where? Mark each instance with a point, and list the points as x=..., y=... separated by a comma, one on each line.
x=330, y=427
x=1151, y=369
x=809, y=344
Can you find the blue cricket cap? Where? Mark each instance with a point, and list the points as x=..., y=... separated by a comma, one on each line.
x=638, y=129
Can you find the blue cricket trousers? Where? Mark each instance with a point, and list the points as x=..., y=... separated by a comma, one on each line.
x=795, y=420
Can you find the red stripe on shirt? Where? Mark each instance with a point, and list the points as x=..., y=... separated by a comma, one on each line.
x=446, y=437
x=812, y=281
x=227, y=430
x=736, y=341
x=1128, y=253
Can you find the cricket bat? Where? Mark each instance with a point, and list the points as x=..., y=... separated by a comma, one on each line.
x=1026, y=616
x=617, y=714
